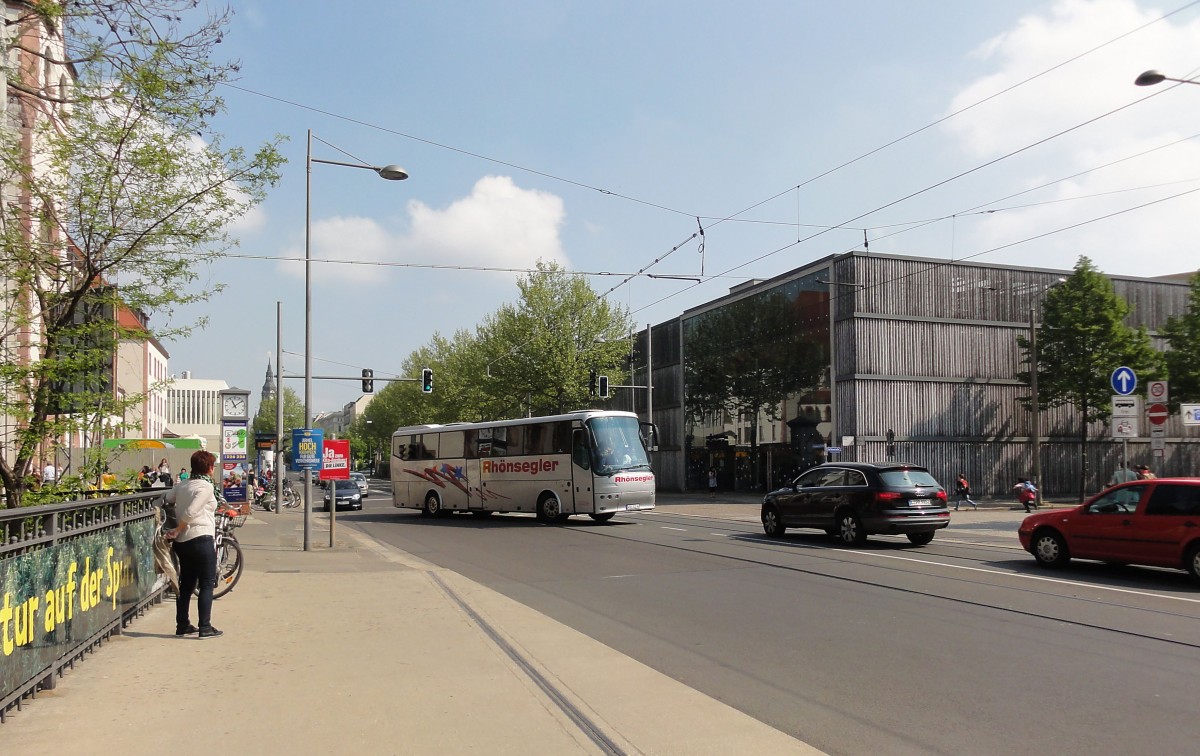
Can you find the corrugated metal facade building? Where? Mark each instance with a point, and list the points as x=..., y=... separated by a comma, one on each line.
x=924, y=348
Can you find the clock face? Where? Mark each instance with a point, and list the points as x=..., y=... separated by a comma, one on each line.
x=235, y=406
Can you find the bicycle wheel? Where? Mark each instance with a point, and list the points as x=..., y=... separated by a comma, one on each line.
x=229, y=565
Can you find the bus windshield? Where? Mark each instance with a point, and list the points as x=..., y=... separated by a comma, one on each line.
x=618, y=445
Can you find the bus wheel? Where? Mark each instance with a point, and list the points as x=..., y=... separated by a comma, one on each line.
x=433, y=506
x=549, y=510
x=602, y=516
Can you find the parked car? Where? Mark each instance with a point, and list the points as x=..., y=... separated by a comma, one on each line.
x=852, y=500
x=1147, y=522
x=345, y=492
x=360, y=480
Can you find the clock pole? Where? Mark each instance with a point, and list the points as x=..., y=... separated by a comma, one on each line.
x=234, y=454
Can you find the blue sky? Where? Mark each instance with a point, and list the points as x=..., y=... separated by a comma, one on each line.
x=595, y=133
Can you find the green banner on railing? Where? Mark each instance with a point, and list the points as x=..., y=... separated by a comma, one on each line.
x=58, y=596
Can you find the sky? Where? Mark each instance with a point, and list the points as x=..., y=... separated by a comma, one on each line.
x=605, y=135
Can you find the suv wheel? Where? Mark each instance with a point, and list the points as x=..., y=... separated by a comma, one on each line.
x=850, y=528
x=772, y=523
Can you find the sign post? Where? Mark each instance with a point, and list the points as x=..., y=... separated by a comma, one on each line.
x=1126, y=412
x=307, y=452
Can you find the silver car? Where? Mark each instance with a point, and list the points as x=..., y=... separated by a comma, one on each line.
x=360, y=480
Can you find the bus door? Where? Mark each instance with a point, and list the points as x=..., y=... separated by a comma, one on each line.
x=581, y=472
x=475, y=490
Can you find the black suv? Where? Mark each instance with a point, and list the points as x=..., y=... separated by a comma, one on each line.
x=852, y=500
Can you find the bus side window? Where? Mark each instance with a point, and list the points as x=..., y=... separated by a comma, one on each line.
x=430, y=443
x=562, y=437
x=470, y=444
x=400, y=450
x=499, y=442
x=581, y=455
x=450, y=445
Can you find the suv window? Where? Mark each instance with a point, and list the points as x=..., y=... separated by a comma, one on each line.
x=1173, y=499
x=855, y=478
x=907, y=478
x=811, y=478
x=834, y=477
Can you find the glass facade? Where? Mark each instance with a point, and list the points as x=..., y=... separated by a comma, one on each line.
x=756, y=377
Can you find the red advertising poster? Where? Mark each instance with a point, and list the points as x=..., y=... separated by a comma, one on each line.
x=336, y=463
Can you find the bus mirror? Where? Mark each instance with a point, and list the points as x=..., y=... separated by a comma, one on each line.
x=649, y=433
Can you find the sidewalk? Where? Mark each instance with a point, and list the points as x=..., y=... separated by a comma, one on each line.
x=367, y=649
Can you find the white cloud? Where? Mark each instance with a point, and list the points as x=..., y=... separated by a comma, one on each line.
x=1154, y=240
x=497, y=225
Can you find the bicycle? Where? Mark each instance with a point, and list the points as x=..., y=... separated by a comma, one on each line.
x=229, y=551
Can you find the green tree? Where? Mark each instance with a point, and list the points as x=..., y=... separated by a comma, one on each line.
x=116, y=201
x=539, y=352
x=746, y=358
x=1081, y=340
x=1183, y=358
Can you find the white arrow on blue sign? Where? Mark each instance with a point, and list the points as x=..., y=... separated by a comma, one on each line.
x=1124, y=380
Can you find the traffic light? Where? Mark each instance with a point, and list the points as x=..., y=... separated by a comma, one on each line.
x=604, y=387
x=592, y=383
x=368, y=383
x=427, y=380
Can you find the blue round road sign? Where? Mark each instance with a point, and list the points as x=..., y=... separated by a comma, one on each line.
x=1124, y=381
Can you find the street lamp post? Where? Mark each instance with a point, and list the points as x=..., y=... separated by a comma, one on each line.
x=1035, y=424
x=1152, y=77
x=391, y=173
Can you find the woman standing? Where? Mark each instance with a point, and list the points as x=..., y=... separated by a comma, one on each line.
x=195, y=503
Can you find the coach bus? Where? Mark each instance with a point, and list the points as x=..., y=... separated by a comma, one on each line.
x=590, y=462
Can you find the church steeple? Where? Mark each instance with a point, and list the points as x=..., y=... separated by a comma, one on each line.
x=268, y=389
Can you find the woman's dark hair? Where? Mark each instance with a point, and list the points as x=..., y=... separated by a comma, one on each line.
x=202, y=462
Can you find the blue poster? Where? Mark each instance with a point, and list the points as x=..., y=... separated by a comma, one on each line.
x=307, y=448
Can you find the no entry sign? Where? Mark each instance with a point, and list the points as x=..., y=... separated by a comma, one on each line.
x=1157, y=414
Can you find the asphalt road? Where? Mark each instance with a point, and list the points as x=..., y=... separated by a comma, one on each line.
x=963, y=646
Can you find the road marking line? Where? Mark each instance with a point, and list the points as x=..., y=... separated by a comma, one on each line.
x=664, y=527
x=1074, y=583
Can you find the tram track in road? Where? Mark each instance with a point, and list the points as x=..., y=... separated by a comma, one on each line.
x=747, y=539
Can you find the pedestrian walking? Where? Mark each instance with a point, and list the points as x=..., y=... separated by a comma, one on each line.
x=962, y=487
x=1122, y=475
x=1026, y=493
x=49, y=473
x=712, y=483
x=196, y=506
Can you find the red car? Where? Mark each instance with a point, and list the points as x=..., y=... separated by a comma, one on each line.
x=1151, y=522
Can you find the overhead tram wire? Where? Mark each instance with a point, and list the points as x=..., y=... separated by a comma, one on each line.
x=461, y=151
x=629, y=198
x=919, y=192
x=902, y=227
x=958, y=112
x=937, y=265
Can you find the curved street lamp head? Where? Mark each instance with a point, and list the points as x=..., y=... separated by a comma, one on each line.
x=392, y=173
x=1150, y=78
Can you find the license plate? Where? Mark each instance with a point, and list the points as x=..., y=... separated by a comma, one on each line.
x=919, y=503
x=629, y=507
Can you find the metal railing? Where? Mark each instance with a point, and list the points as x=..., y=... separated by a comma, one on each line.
x=27, y=530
